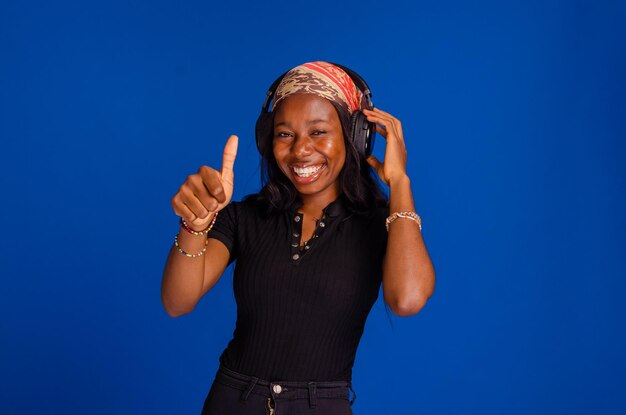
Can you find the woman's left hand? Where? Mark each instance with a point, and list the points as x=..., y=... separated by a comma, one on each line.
x=394, y=164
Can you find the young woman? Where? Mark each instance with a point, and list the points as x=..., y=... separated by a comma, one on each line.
x=311, y=248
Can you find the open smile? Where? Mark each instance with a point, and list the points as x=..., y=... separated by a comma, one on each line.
x=307, y=174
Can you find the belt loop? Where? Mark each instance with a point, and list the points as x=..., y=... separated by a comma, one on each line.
x=353, y=393
x=251, y=385
x=312, y=394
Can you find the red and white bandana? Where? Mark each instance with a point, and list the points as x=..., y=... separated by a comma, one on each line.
x=323, y=79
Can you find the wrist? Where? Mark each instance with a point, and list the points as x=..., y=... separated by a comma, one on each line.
x=201, y=228
x=400, y=180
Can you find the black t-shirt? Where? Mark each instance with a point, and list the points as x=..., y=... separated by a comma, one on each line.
x=300, y=311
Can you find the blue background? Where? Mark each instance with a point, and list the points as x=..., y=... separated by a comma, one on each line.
x=514, y=119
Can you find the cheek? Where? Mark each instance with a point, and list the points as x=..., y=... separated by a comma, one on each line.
x=279, y=155
x=279, y=151
x=337, y=153
x=333, y=149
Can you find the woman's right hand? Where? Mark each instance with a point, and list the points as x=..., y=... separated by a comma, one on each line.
x=207, y=191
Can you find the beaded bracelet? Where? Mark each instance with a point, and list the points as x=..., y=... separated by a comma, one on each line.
x=407, y=215
x=186, y=227
x=187, y=253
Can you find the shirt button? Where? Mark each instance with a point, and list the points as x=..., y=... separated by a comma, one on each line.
x=296, y=235
x=295, y=257
x=277, y=389
x=322, y=224
x=296, y=218
x=306, y=247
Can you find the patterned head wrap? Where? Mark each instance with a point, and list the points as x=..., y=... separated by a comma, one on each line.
x=323, y=79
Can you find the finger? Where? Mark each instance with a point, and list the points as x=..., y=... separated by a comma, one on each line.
x=209, y=198
x=212, y=182
x=378, y=166
x=385, y=122
x=228, y=159
x=391, y=124
x=181, y=209
x=378, y=110
x=381, y=131
x=386, y=115
x=397, y=125
x=374, y=162
x=217, y=195
x=393, y=119
x=378, y=114
x=193, y=203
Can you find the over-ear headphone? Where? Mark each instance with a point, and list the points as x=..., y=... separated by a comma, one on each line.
x=362, y=131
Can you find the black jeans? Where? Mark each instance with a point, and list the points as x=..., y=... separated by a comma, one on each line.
x=233, y=393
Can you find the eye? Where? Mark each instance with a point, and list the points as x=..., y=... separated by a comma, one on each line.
x=283, y=134
x=319, y=132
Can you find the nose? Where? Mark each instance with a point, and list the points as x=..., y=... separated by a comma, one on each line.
x=301, y=146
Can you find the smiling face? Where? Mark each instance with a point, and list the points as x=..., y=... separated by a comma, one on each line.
x=308, y=146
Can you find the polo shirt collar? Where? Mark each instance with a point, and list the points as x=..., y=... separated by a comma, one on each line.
x=334, y=208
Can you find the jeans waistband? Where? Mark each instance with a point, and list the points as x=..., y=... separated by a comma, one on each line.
x=284, y=390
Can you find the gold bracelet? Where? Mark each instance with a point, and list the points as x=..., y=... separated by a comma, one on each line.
x=406, y=215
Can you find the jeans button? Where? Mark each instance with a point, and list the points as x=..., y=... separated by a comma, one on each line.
x=277, y=389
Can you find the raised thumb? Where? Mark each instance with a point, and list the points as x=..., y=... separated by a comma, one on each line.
x=228, y=159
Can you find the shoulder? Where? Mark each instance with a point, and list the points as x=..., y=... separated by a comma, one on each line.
x=250, y=206
x=371, y=221
x=375, y=214
x=379, y=216
x=382, y=211
x=253, y=202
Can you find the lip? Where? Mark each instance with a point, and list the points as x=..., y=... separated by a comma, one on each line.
x=303, y=165
x=309, y=179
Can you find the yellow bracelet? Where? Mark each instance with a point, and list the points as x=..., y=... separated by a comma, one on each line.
x=406, y=215
x=187, y=254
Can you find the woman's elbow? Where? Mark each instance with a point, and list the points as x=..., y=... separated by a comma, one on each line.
x=173, y=310
x=176, y=313
x=410, y=303
x=408, y=306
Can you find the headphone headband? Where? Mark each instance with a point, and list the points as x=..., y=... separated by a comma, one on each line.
x=359, y=82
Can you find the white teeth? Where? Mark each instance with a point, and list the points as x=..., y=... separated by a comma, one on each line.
x=306, y=171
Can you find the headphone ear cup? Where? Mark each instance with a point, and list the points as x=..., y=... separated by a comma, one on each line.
x=262, y=131
x=363, y=132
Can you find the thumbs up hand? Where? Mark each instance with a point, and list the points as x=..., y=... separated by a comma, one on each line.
x=207, y=191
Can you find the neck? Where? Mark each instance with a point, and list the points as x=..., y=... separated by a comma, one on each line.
x=314, y=204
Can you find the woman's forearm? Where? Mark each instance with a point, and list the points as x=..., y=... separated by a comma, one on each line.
x=408, y=273
x=183, y=276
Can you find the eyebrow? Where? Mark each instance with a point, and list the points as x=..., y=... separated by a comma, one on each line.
x=286, y=123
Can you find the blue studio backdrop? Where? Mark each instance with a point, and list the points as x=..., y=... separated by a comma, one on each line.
x=514, y=120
